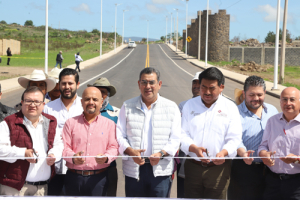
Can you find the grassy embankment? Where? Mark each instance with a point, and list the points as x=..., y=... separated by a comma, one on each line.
x=292, y=73
x=69, y=42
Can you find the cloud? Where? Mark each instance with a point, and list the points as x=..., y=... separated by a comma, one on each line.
x=233, y=18
x=271, y=13
x=155, y=9
x=166, y=1
x=82, y=8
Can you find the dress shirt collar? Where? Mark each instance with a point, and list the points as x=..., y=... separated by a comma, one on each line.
x=28, y=122
x=297, y=118
x=212, y=105
x=74, y=103
x=143, y=105
x=85, y=121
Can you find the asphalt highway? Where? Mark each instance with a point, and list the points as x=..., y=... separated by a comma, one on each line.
x=122, y=70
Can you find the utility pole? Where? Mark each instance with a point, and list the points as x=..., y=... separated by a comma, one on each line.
x=276, y=48
x=166, y=29
x=147, y=30
x=101, y=32
x=206, y=44
x=186, y=32
x=46, y=39
x=282, y=63
x=199, y=35
x=176, y=30
x=171, y=29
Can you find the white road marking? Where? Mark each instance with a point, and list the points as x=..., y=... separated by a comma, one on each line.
x=81, y=84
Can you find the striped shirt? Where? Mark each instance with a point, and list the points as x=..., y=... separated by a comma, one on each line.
x=254, y=127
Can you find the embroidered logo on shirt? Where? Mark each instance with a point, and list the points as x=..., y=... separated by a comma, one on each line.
x=219, y=111
x=102, y=133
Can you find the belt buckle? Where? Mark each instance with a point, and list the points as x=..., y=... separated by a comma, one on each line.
x=82, y=173
x=204, y=165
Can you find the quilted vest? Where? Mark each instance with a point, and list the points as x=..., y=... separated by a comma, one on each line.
x=14, y=174
x=163, y=114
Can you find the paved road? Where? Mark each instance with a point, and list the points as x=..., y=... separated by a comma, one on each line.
x=176, y=81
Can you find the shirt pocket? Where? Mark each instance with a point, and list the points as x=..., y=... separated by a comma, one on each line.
x=219, y=125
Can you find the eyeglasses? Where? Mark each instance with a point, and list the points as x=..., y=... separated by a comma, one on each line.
x=29, y=102
x=144, y=82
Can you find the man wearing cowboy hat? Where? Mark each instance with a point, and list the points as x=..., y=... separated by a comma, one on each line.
x=55, y=93
x=247, y=176
x=107, y=90
x=37, y=78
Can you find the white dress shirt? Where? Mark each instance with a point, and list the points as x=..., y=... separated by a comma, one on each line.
x=57, y=109
x=39, y=171
x=147, y=132
x=215, y=128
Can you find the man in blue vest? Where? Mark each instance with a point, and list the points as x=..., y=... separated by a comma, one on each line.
x=107, y=90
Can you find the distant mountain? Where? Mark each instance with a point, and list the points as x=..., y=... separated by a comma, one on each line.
x=133, y=38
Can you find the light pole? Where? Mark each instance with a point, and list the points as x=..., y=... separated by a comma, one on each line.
x=206, y=42
x=282, y=63
x=176, y=30
x=186, y=32
x=46, y=40
x=166, y=29
x=116, y=25
x=101, y=32
x=123, y=26
x=171, y=28
x=276, y=48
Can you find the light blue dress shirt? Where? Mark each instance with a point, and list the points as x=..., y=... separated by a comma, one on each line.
x=254, y=127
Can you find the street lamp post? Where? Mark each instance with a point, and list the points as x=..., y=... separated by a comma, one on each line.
x=186, y=32
x=101, y=33
x=147, y=30
x=176, y=30
x=116, y=25
x=46, y=39
x=282, y=63
x=123, y=26
x=206, y=42
x=171, y=28
x=166, y=29
x=276, y=48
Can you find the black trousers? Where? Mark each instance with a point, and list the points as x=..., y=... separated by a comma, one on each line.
x=77, y=65
x=56, y=185
x=246, y=181
x=8, y=60
x=277, y=189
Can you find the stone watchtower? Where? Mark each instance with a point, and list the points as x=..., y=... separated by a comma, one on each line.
x=218, y=35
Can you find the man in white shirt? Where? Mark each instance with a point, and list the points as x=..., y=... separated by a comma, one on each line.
x=148, y=128
x=27, y=135
x=63, y=108
x=211, y=126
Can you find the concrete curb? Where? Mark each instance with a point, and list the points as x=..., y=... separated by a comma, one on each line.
x=239, y=78
x=9, y=85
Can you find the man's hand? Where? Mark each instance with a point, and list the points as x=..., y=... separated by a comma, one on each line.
x=247, y=154
x=78, y=160
x=267, y=161
x=101, y=159
x=288, y=159
x=29, y=156
x=199, y=152
x=51, y=159
x=136, y=152
x=221, y=154
x=154, y=158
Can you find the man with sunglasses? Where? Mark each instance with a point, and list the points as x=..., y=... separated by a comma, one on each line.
x=28, y=135
x=148, y=130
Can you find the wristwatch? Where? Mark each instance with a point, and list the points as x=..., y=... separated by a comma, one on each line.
x=162, y=154
x=297, y=161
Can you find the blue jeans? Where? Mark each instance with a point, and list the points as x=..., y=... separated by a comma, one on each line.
x=147, y=185
x=58, y=63
x=93, y=185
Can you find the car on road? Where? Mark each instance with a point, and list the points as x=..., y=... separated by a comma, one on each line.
x=131, y=44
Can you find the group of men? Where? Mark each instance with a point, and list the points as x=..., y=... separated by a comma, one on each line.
x=148, y=131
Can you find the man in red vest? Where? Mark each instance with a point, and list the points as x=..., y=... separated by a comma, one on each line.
x=29, y=146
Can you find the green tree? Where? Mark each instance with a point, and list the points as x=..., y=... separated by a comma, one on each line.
x=28, y=23
x=96, y=31
x=271, y=36
x=297, y=38
x=162, y=38
x=3, y=22
x=144, y=39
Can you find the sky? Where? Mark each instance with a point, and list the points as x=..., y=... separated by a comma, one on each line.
x=248, y=19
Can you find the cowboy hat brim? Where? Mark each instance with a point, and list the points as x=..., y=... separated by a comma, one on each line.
x=237, y=96
x=51, y=83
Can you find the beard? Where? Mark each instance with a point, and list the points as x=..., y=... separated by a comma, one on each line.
x=73, y=93
x=90, y=111
x=248, y=104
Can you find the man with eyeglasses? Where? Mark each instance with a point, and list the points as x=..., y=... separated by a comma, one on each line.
x=64, y=108
x=107, y=90
x=37, y=78
x=281, y=139
x=24, y=137
x=148, y=131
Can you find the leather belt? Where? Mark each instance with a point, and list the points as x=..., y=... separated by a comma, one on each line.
x=88, y=172
x=37, y=183
x=284, y=176
x=203, y=164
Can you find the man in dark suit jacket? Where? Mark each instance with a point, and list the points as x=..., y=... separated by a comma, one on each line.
x=8, y=52
x=59, y=59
